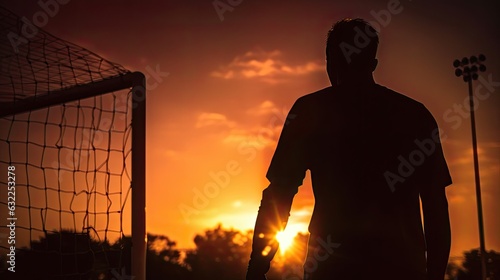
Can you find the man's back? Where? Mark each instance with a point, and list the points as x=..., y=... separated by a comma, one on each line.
x=372, y=153
x=354, y=140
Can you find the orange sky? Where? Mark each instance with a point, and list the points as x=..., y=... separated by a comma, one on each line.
x=218, y=113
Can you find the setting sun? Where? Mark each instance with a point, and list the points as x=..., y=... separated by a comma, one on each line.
x=286, y=238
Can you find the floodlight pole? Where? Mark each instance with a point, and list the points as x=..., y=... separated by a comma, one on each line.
x=478, y=184
x=468, y=69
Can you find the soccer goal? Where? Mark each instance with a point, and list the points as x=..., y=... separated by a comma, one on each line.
x=72, y=160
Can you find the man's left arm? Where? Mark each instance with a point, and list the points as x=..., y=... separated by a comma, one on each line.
x=433, y=177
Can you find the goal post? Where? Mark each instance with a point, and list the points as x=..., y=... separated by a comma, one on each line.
x=73, y=125
x=139, y=234
x=135, y=81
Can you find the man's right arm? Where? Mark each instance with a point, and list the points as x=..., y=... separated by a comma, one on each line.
x=272, y=217
x=437, y=231
x=285, y=174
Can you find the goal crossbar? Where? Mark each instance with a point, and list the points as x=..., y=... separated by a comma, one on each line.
x=74, y=93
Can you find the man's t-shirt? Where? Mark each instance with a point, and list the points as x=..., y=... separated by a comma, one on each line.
x=370, y=152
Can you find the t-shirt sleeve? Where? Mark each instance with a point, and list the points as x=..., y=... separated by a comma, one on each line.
x=433, y=171
x=290, y=161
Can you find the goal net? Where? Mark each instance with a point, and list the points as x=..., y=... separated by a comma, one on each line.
x=72, y=160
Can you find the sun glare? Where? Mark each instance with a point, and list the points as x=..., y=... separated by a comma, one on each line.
x=285, y=239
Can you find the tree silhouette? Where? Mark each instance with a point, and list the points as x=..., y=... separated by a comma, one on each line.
x=69, y=255
x=471, y=267
x=451, y=270
x=57, y=255
x=220, y=254
x=163, y=260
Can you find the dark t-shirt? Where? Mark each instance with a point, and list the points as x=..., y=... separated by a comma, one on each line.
x=370, y=152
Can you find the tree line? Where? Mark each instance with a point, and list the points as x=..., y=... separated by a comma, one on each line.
x=219, y=253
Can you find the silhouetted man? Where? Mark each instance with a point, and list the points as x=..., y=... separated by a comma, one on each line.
x=372, y=153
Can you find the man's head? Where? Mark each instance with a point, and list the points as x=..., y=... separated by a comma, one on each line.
x=350, y=50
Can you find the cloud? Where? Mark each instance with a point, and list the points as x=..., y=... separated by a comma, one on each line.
x=265, y=130
x=256, y=137
x=461, y=167
x=484, y=151
x=265, y=66
x=170, y=153
x=261, y=130
x=265, y=108
x=491, y=145
x=213, y=119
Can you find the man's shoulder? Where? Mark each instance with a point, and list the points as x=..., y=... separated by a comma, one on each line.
x=310, y=102
x=378, y=94
x=391, y=95
x=402, y=102
x=316, y=95
x=407, y=108
x=382, y=93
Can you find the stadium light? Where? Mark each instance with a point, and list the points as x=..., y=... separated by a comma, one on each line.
x=468, y=69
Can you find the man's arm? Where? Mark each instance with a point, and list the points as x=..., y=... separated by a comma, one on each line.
x=437, y=231
x=432, y=177
x=273, y=215
x=285, y=174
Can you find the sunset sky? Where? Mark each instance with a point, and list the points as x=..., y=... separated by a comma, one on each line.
x=221, y=83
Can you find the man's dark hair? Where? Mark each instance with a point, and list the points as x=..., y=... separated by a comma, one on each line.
x=351, y=43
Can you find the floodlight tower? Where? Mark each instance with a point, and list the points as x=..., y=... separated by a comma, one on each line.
x=468, y=69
